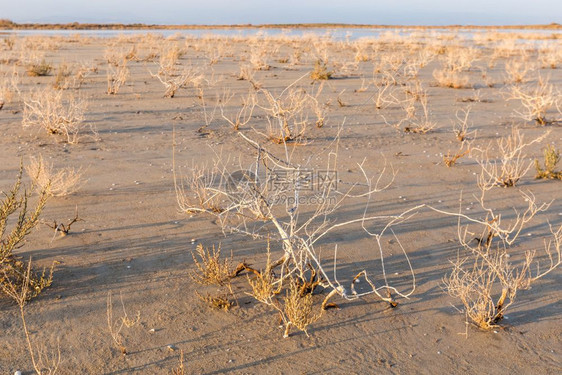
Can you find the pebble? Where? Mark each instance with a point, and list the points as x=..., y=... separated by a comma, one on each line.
x=172, y=347
x=152, y=330
x=17, y=373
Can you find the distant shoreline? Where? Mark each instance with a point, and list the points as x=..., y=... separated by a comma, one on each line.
x=9, y=25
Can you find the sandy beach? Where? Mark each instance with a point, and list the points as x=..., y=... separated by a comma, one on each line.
x=392, y=107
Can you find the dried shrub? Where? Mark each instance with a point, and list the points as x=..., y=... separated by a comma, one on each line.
x=39, y=69
x=8, y=87
x=57, y=183
x=71, y=76
x=180, y=370
x=550, y=57
x=450, y=78
x=320, y=71
x=511, y=164
x=451, y=160
x=536, y=100
x=243, y=115
x=420, y=124
x=517, y=70
x=173, y=79
x=210, y=268
x=298, y=309
x=116, y=77
x=265, y=286
x=487, y=283
x=57, y=114
x=258, y=58
x=217, y=302
x=115, y=326
x=487, y=279
x=286, y=114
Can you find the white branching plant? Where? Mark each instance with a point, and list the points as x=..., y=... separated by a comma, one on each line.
x=241, y=116
x=265, y=201
x=510, y=165
x=174, y=78
x=286, y=114
x=487, y=279
x=461, y=126
x=421, y=123
x=536, y=100
x=517, y=70
x=383, y=96
x=56, y=113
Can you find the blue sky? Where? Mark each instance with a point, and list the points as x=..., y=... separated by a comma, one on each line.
x=414, y=12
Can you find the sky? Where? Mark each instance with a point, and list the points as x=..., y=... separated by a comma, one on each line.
x=393, y=12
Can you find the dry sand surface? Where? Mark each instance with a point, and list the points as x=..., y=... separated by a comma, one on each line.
x=135, y=242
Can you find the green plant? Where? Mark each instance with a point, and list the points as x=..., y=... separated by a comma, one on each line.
x=13, y=270
x=551, y=159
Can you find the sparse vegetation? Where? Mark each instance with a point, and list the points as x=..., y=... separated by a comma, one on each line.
x=17, y=279
x=265, y=146
x=57, y=114
x=39, y=69
x=551, y=159
x=56, y=183
x=320, y=71
x=536, y=100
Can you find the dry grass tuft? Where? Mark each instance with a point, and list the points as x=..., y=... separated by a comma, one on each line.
x=210, y=268
x=298, y=308
x=451, y=160
x=217, y=302
x=181, y=369
x=115, y=326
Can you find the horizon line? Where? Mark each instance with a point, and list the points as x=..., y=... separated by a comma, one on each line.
x=8, y=24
